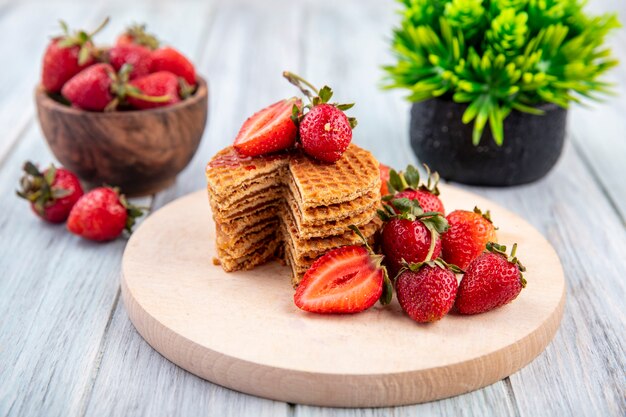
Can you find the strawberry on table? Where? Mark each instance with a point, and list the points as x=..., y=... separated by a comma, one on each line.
x=410, y=234
x=325, y=130
x=51, y=193
x=349, y=279
x=102, y=214
x=66, y=56
x=467, y=236
x=269, y=130
x=169, y=59
x=137, y=35
x=100, y=88
x=407, y=184
x=160, y=83
x=138, y=56
x=490, y=281
x=426, y=290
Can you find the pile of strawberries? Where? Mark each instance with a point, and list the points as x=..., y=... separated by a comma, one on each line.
x=423, y=251
x=320, y=128
x=135, y=73
x=56, y=195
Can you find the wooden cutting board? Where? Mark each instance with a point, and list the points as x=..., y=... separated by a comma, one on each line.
x=242, y=330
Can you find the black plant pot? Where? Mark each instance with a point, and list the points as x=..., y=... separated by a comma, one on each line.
x=532, y=144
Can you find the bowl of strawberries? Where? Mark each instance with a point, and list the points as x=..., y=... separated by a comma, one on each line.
x=131, y=115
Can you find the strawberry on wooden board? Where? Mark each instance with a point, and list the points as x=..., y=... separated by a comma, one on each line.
x=100, y=88
x=102, y=214
x=410, y=234
x=169, y=59
x=52, y=193
x=349, y=279
x=66, y=56
x=138, y=56
x=490, y=281
x=467, y=236
x=384, y=178
x=160, y=83
x=269, y=130
x=136, y=34
x=324, y=129
x=426, y=291
x=407, y=184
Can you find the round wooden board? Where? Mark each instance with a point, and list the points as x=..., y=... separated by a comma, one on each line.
x=243, y=331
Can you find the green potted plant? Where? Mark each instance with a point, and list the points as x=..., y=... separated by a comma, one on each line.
x=514, y=65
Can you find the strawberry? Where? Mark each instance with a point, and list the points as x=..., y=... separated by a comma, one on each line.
x=407, y=185
x=426, y=291
x=66, y=56
x=324, y=129
x=491, y=280
x=102, y=214
x=169, y=59
x=467, y=236
x=269, y=130
x=384, y=178
x=137, y=35
x=160, y=83
x=411, y=235
x=52, y=194
x=138, y=56
x=349, y=279
x=100, y=88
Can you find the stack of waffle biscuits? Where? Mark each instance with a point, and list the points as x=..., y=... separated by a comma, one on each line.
x=290, y=206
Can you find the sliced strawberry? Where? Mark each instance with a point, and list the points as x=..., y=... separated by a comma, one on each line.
x=345, y=280
x=268, y=130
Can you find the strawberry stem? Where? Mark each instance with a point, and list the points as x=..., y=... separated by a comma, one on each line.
x=431, y=248
x=100, y=27
x=298, y=81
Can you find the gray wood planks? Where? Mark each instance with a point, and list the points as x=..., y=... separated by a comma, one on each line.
x=71, y=347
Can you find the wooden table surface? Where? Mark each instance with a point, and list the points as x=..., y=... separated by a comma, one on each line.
x=67, y=347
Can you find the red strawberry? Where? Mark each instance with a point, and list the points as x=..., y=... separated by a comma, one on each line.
x=90, y=89
x=169, y=59
x=426, y=291
x=52, y=194
x=410, y=235
x=138, y=56
x=467, y=236
x=491, y=280
x=325, y=130
x=345, y=280
x=407, y=185
x=100, y=88
x=66, y=56
x=384, y=178
x=269, y=130
x=102, y=214
x=137, y=35
x=160, y=83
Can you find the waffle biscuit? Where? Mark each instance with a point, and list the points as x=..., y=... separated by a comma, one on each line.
x=227, y=171
x=241, y=223
x=330, y=227
x=317, y=184
x=264, y=252
x=241, y=244
x=294, y=200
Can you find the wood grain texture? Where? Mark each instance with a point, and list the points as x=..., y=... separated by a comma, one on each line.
x=65, y=359
x=168, y=277
x=139, y=151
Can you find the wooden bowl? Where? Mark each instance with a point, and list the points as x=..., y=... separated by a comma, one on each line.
x=139, y=151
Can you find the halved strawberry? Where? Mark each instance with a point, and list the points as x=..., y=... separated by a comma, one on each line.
x=268, y=130
x=345, y=280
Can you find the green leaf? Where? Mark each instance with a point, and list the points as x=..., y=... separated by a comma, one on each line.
x=412, y=176
x=344, y=107
x=325, y=94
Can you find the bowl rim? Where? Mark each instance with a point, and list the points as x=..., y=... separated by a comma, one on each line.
x=43, y=99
